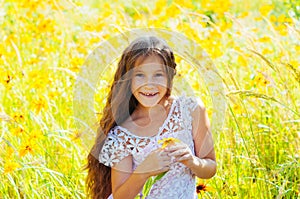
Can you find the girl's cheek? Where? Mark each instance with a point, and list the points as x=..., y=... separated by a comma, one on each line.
x=162, y=82
x=137, y=82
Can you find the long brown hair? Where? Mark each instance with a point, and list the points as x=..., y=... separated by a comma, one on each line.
x=120, y=105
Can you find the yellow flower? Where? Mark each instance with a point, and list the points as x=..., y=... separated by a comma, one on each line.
x=17, y=131
x=46, y=25
x=244, y=14
x=9, y=153
x=281, y=18
x=242, y=61
x=10, y=166
x=172, y=11
x=260, y=80
x=273, y=18
x=35, y=134
x=237, y=109
x=202, y=187
x=297, y=48
x=282, y=30
x=266, y=9
x=76, y=135
x=265, y=39
x=27, y=148
x=266, y=51
x=167, y=141
x=6, y=78
x=39, y=104
x=76, y=63
x=185, y=4
x=38, y=79
x=159, y=6
x=18, y=117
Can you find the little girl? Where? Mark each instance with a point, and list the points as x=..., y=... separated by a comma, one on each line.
x=139, y=112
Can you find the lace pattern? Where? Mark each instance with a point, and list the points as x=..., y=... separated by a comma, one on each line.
x=178, y=181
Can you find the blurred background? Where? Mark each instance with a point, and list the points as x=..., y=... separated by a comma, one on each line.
x=255, y=46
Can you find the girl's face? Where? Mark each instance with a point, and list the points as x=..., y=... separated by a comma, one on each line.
x=149, y=81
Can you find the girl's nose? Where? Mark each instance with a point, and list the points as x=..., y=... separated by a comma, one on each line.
x=150, y=81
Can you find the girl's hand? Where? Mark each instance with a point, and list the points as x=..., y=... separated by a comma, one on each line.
x=182, y=153
x=155, y=163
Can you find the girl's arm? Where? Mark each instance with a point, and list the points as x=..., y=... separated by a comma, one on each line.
x=203, y=163
x=127, y=184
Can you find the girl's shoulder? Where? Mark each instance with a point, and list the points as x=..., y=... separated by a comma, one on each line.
x=190, y=102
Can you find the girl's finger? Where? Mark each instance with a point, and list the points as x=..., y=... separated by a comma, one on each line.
x=166, y=158
x=167, y=162
x=178, y=152
x=174, y=148
x=185, y=157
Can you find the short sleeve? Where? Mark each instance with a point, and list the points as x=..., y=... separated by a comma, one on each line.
x=113, y=150
x=191, y=103
x=187, y=106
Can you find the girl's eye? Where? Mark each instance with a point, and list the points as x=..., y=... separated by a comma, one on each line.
x=159, y=74
x=139, y=75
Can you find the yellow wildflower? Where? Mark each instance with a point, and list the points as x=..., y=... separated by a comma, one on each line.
x=10, y=166
x=273, y=18
x=242, y=61
x=76, y=63
x=6, y=78
x=260, y=80
x=201, y=187
x=76, y=135
x=237, y=109
x=264, y=39
x=185, y=4
x=17, y=131
x=297, y=48
x=167, y=141
x=46, y=25
x=244, y=14
x=18, y=117
x=159, y=6
x=172, y=11
x=281, y=18
x=38, y=79
x=282, y=30
x=39, y=104
x=266, y=51
x=27, y=148
x=35, y=134
x=53, y=94
x=265, y=9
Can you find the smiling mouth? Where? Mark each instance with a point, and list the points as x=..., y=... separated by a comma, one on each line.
x=149, y=94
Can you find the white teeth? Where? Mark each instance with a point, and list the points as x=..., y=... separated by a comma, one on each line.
x=149, y=94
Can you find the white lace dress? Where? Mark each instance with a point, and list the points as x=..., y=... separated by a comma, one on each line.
x=178, y=182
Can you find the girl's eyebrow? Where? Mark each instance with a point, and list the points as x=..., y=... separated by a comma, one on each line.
x=138, y=70
x=160, y=70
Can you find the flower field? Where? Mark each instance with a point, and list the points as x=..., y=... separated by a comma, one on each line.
x=254, y=45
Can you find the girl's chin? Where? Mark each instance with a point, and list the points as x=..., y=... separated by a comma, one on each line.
x=148, y=103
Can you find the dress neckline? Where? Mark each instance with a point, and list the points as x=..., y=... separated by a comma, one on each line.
x=160, y=128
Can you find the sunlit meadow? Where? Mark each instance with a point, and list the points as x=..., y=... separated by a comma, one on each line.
x=255, y=45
